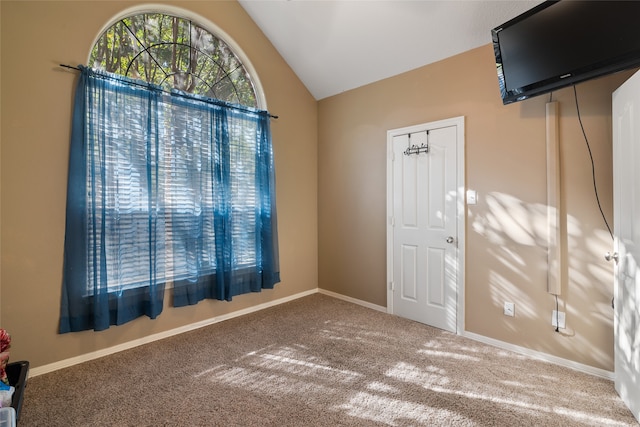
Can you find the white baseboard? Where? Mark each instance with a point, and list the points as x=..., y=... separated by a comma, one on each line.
x=541, y=356
x=353, y=300
x=45, y=369
x=40, y=370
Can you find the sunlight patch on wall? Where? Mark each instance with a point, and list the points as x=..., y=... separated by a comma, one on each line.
x=511, y=220
x=503, y=289
x=599, y=243
x=517, y=235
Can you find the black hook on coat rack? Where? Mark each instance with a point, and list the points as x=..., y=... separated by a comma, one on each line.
x=417, y=149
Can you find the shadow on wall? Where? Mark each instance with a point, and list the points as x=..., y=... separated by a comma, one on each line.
x=511, y=224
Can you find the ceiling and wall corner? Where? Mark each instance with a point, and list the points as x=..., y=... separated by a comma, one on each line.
x=335, y=46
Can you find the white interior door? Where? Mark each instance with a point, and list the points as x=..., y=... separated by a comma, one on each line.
x=626, y=206
x=424, y=237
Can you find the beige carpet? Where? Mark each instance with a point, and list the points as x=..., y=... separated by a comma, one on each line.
x=319, y=361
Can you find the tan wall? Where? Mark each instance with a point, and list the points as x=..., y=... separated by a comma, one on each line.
x=36, y=107
x=331, y=182
x=505, y=164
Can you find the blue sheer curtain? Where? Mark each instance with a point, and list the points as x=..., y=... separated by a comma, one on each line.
x=163, y=189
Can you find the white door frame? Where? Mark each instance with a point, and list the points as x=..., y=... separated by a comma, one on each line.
x=460, y=210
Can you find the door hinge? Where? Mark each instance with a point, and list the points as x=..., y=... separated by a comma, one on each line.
x=392, y=286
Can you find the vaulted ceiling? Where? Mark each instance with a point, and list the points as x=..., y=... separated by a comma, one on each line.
x=335, y=46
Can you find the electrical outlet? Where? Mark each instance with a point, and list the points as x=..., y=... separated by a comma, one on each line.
x=558, y=318
x=509, y=309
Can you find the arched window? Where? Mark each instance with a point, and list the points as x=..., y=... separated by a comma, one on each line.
x=171, y=176
x=174, y=53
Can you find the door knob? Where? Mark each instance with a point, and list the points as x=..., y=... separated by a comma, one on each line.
x=611, y=256
x=450, y=239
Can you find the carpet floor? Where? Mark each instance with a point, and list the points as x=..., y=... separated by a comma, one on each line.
x=320, y=361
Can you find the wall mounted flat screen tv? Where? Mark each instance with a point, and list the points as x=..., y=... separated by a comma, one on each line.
x=561, y=43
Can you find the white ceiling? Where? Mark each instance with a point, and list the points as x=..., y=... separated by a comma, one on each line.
x=337, y=45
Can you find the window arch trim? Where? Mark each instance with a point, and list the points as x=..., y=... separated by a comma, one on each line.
x=201, y=21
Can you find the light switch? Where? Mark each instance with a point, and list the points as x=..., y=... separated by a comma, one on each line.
x=472, y=197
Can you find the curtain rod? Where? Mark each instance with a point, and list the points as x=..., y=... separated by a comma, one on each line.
x=78, y=69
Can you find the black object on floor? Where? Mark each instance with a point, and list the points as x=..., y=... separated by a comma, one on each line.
x=17, y=373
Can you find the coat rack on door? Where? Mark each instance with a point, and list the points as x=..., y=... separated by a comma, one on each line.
x=417, y=149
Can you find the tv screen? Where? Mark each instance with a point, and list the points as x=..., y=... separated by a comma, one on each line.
x=561, y=43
